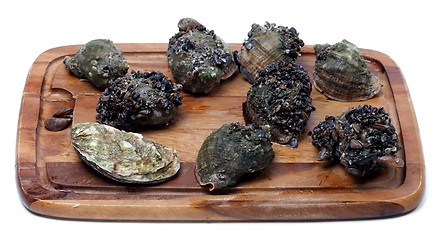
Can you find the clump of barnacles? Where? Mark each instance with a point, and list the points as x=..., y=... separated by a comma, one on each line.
x=280, y=98
x=362, y=140
x=140, y=99
x=198, y=58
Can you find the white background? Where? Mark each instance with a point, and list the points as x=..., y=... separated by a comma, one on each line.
x=408, y=31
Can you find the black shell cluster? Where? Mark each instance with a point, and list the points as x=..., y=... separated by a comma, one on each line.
x=281, y=98
x=357, y=139
x=140, y=99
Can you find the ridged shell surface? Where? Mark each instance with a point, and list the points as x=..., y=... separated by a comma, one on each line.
x=341, y=73
x=232, y=151
x=123, y=156
x=267, y=44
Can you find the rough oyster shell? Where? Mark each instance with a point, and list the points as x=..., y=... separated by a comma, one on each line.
x=232, y=151
x=141, y=99
x=280, y=98
x=342, y=74
x=99, y=61
x=123, y=156
x=267, y=44
x=198, y=58
x=362, y=140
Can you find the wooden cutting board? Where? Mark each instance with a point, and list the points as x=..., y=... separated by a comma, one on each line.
x=53, y=180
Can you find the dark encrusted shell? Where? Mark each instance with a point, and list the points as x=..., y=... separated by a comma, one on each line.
x=124, y=156
x=198, y=58
x=362, y=139
x=141, y=99
x=232, y=151
x=341, y=73
x=265, y=45
x=99, y=61
x=280, y=98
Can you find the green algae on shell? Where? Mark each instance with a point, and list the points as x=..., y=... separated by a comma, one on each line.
x=198, y=58
x=265, y=45
x=232, y=151
x=98, y=61
x=124, y=156
x=342, y=74
x=140, y=99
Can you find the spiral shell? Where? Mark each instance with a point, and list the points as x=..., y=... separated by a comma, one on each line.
x=267, y=44
x=232, y=151
x=342, y=74
x=99, y=61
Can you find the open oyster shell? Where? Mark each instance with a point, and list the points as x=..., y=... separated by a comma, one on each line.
x=99, y=61
x=198, y=58
x=123, y=156
x=267, y=44
x=362, y=140
x=342, y=74
x=140, y=99
x=280, y=98
x=231, y=152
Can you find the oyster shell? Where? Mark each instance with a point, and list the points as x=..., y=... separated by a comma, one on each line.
x=140, y=99
x=123, y=156
x=198, y=58
x=280, y=98
x=362, y=140
x=232, y=151
x=267, y=44
x=342, y=74
x=99, y=61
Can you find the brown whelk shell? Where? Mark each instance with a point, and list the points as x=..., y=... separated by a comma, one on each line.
x=341, y=73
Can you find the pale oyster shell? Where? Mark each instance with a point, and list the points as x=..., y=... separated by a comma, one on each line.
x=265, y=45
x=341, y=73
x=124, y=156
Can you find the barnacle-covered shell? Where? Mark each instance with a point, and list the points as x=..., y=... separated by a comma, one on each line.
x=280, y=98
x=267, y=44
x=99, y=61
x=232, y=151
x=342, y=74
x=123, y=156
x=198, y=58
x=362, y=139
x=140, y=99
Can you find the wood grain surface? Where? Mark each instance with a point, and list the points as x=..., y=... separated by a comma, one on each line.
x=53, y=181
